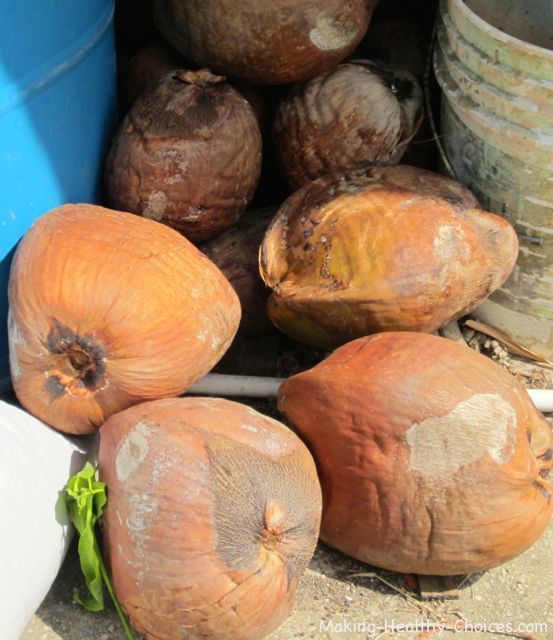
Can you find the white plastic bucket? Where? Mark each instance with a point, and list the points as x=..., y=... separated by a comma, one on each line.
x=35, y=464
x=494, y=63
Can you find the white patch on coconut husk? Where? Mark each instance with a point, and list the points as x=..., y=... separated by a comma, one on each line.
x=329, y=35
x=143, y=508
x=157, y=202
x=132, y=450
x=15, y=340
x=248, y=427
x=482, y=424
x=449, y=243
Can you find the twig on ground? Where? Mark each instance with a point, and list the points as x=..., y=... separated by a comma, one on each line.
x=403, y=592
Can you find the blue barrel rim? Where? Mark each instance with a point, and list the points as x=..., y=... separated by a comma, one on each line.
x=16, y=93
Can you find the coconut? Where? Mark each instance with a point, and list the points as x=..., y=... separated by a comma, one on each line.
x=236, y=253
x=432, y=458
x=358, y=114
x=213, y=515
x=265, y=42
x=188, y=154
x=384, y=249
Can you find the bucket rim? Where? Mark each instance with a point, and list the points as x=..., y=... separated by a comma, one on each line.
x=497, y=34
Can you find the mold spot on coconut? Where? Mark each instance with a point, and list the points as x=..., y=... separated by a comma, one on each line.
x=155, y=208
x=442, y=445
x=15, y=339
x=133, y=450
x=329, y=33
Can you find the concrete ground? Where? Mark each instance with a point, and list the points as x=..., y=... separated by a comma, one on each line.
x=331, y=599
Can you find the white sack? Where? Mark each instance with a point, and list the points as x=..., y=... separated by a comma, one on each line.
x=35, y=464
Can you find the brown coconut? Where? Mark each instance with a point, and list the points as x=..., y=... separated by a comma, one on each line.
x=188, y=154
x=236, y=253
x=432, y=458
x=265, y=42
x=146, y=68
x=384, y=249
x=213, y=514
x=156, y=59
x=358, y=114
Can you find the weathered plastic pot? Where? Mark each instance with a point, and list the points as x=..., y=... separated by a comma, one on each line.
x=36, y=463
x=494, y=63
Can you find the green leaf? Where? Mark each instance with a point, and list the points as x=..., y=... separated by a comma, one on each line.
x=90, y=565
x=85, y=502
x=86, y=498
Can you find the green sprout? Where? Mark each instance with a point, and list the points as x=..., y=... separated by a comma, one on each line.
x=86, y=499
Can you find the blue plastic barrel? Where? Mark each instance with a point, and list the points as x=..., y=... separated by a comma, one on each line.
x=57, y=113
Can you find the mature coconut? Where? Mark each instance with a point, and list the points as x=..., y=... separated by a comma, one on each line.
x=107, y=310
x=432, y=458
x=236, y=253
x=355, y=115
x=154, y=61
x=146, y=68
x=384, y=249
x=265, y=42
x=213, y=514
x=187, y=154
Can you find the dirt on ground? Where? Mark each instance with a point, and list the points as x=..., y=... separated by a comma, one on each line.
x=331, y=600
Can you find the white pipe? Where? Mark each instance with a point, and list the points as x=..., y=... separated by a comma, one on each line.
x=260, y=387
x=227, y=385
x=542, y=398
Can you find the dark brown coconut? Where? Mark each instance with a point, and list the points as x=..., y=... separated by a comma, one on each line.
x=432, y=459
x=358, y=114
x=236, y=253
x=146, y=68
x=213, y=515
x=187, y=154
x=152, y=62
x=384, y=249
x=265, y=42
